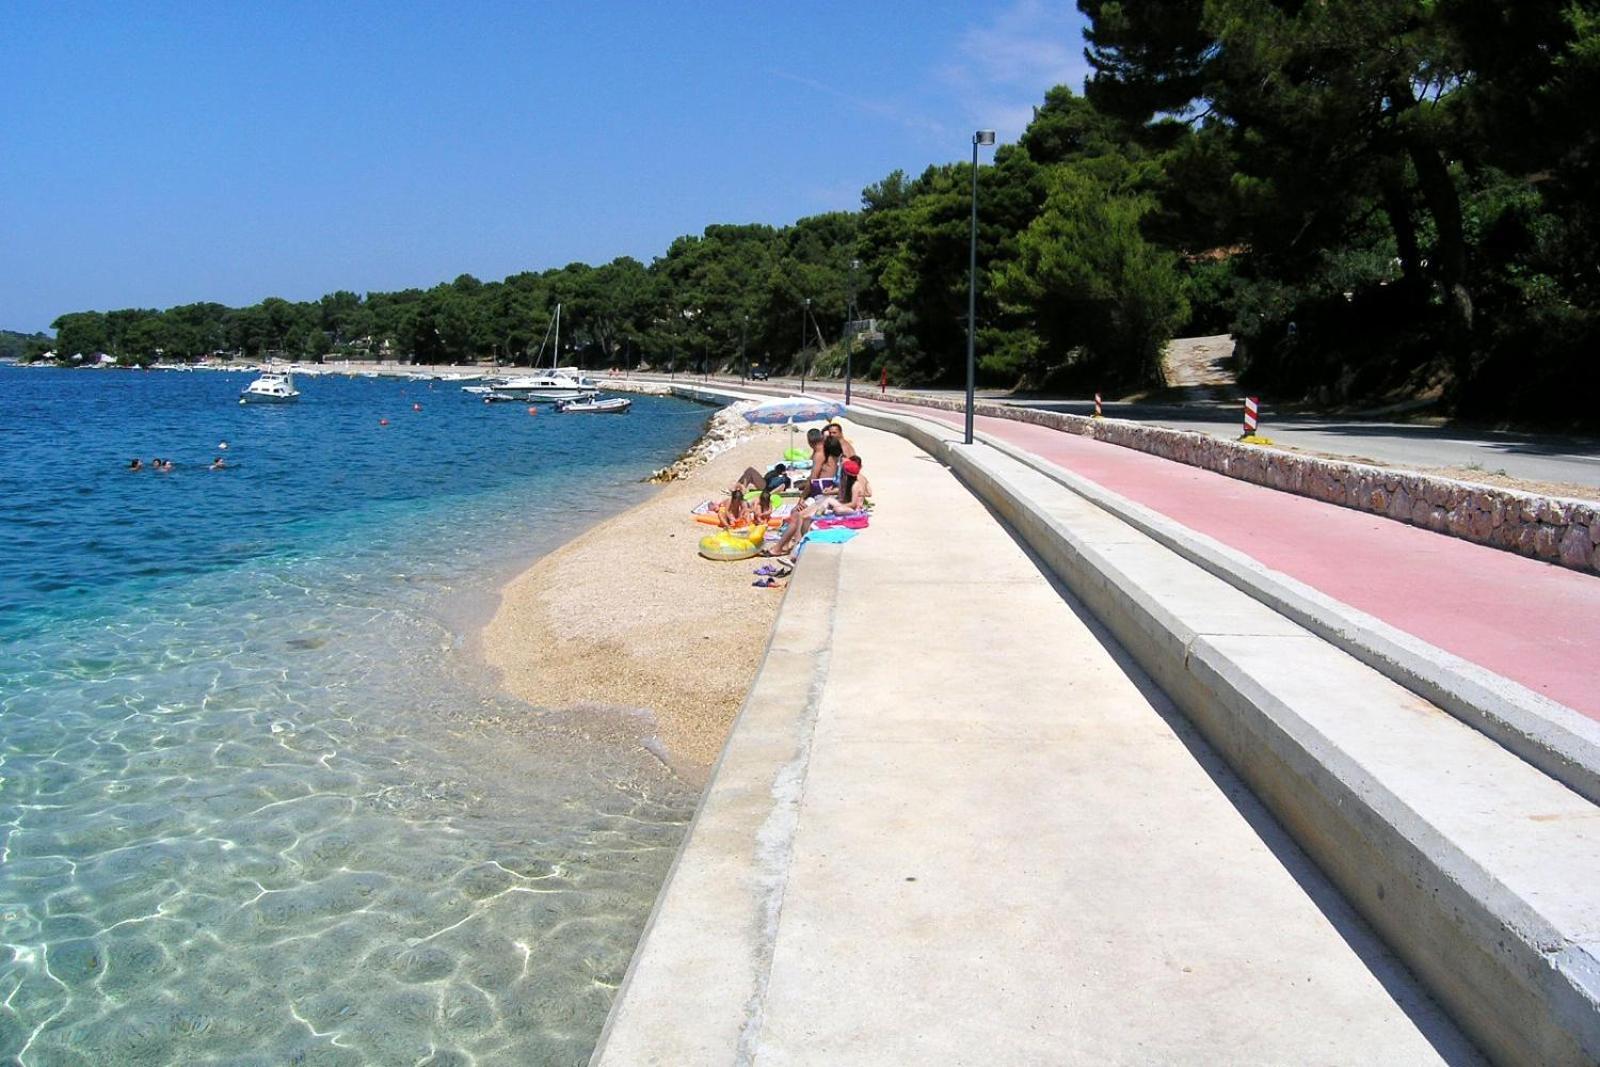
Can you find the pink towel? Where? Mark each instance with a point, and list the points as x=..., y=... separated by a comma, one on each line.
x=858, y=521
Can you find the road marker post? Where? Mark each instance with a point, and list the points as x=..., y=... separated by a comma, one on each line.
x=1252, y=410
x=1098, y=412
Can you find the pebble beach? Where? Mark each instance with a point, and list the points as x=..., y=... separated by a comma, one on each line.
x=628, y=617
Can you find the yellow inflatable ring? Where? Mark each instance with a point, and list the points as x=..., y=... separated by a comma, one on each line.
x=732, y=545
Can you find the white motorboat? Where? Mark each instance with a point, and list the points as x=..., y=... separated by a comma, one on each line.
x=549, y=388
x=616, y=405
x=552, y=386
x=273, y=387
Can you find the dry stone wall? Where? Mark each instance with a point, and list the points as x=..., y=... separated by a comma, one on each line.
x=1554, y=529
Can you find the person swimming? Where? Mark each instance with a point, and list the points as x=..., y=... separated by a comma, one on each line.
x=135, y=464
x=217, y=464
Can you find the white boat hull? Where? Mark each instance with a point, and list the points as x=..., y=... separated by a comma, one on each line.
x=614, y=406
x=273, y=387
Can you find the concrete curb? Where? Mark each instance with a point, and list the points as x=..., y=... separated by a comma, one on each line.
x=752, y=803
x=1524, y=988
x=1561, y=742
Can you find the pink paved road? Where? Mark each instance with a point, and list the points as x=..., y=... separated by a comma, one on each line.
x=1532, y=622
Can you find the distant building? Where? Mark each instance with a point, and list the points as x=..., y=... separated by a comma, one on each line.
x=866, y=330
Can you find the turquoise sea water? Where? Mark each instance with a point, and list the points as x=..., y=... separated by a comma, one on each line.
x=257, y=802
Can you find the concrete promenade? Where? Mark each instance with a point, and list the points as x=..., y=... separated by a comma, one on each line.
x=1526, y=620
x=1518, y=618
x=955, y=823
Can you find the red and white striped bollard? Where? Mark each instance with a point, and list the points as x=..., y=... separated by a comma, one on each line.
x=1098, y=413
x=1252, y=410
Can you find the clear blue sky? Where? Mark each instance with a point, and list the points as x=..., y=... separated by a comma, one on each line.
x=157, y=154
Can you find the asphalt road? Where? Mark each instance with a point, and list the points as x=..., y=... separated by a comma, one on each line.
x=1529, y=457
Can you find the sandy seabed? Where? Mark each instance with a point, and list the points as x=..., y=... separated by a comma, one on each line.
x=629, y=617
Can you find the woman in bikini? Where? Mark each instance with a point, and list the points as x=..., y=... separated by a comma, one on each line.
x=735, y=511
x=854, y=493
x=854, y=490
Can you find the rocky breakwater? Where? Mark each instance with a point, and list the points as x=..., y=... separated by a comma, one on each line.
x=725, y=430
x=1555, y=529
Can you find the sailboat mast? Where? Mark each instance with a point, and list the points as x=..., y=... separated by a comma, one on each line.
x=555, y=356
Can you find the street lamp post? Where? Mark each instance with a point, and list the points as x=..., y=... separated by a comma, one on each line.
x=805, y=311
x=850, y=338
x=744, y=359
x=986, y=138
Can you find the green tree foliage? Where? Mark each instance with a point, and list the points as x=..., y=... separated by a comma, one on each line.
x=1379, y=192
x=1094, y=284
x=1370, y=194
x=23, y=346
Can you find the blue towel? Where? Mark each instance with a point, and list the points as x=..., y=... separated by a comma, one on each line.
x=836, y=536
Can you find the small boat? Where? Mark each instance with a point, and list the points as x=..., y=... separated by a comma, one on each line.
x=553, y=386
x=615, y=405
x=549, y=388
x=493, y=397
x=273, y=387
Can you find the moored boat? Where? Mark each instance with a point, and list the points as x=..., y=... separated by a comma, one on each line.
x=273, y=387
x=555, y=385
x=616, y=405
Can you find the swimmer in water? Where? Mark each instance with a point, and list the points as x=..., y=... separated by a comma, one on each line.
x=217, y=464
x=135, y=465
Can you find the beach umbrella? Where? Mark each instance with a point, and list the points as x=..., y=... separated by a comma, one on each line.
x=794, y=409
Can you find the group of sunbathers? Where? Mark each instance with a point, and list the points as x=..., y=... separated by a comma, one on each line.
x=832, y=485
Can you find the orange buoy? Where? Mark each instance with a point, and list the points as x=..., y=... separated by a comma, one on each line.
x=383, y=422
x=533, y=411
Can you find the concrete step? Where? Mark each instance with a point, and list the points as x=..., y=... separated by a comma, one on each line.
x=1478, y=868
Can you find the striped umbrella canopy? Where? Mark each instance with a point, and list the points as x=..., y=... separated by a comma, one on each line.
x=794, y=409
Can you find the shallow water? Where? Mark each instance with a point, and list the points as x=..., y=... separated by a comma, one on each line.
x=256, y=806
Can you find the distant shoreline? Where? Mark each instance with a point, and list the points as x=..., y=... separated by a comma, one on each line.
x=346, y=367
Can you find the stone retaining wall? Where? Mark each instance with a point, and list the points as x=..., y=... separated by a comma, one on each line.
x=1554, y=529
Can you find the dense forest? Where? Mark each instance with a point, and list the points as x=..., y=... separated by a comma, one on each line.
x=1379, y=199
x=14, y=345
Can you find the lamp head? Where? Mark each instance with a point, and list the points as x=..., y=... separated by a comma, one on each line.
x=983, y=137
